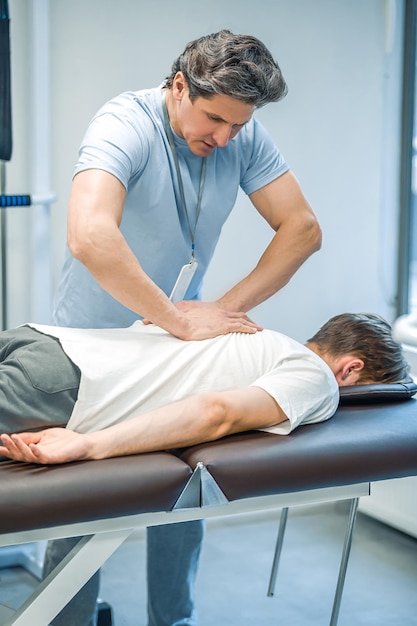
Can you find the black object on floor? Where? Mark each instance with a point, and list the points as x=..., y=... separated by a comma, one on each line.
x=104, y=614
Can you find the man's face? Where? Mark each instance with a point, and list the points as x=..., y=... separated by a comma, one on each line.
x=209, y=123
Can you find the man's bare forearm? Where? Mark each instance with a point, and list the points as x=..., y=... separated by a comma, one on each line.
x=288, y=250
x=183, y=423
x=194, y=420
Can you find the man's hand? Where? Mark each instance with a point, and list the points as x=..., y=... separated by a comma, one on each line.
x=209, y=319
x=54, y=445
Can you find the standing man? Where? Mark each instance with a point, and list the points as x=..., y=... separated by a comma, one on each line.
x=157, y=176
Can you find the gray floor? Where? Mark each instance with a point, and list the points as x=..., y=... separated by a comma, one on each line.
x=380, y=588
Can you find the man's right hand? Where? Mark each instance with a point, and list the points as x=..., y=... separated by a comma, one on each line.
x=208, y=319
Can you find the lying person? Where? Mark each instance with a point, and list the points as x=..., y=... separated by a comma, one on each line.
x=140, y=389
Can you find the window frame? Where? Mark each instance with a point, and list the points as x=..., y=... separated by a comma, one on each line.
x=408, y=129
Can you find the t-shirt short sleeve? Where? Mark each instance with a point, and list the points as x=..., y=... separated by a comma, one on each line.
x=304, y=390
x=263, y=163
x=117, y=140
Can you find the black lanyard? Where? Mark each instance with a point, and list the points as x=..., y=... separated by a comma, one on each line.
x=180, y=183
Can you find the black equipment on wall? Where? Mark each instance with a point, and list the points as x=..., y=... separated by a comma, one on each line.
x=5, y=140
x=5, y=91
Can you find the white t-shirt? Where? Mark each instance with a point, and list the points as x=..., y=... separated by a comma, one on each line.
x=128, y=371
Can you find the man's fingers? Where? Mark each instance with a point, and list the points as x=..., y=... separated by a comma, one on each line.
x=22, y=449
x=11, y=448
x=244, y=322
x=17, y=449
x=37, y=455
x=30, y=437
x=8, y=443
x=4, y=450
x=237, y=326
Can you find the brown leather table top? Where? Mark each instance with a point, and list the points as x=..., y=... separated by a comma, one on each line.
x=34, y=496
x=359, y=444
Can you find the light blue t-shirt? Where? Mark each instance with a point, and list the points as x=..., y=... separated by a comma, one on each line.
x=127, y=138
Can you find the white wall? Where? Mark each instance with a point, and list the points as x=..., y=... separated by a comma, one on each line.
x=333, y=128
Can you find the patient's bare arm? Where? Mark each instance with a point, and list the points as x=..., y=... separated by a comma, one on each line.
x=196, y=419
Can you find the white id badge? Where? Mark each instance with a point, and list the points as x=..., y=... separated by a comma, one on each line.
x=183, y=281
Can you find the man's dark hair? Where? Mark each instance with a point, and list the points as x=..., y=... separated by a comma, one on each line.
x=368, y=337
x=238, y=66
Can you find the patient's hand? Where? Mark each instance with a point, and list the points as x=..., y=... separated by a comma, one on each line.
x=50, y=446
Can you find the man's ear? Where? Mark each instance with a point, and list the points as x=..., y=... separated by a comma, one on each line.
x=348, y=370
x=179, y=85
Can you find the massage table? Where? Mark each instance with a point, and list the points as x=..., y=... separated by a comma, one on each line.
x=372, y=437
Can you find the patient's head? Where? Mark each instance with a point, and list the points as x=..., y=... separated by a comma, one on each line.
x=367, y=337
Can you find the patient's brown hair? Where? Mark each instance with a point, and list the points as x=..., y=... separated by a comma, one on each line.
x=368, y=337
